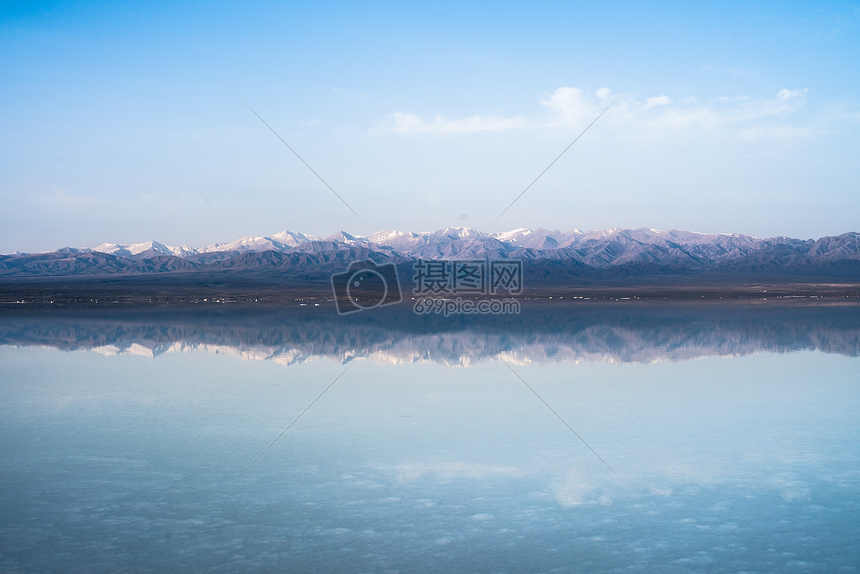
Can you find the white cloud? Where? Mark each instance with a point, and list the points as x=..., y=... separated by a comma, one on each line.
x=660, y=118
x=573, y=105
x=785, y=94
x=657, y=118
x=402, y=122
x=656, y=101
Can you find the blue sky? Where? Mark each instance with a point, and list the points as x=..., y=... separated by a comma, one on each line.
x=121, y=121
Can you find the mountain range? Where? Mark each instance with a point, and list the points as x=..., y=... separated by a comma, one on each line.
x=553, y=256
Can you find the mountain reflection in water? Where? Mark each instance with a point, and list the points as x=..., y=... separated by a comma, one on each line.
x=543, y=332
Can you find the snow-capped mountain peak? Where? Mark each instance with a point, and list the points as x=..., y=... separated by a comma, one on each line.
x=344, y=237
x=292, y=239
x=385, y=236
x=514, y=235
x=138, y=249
x=460, y=233
x=247, y=243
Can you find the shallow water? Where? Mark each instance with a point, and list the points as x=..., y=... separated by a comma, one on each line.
x=736, y=450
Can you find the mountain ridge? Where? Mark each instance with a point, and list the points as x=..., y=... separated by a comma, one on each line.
x=551, y=255
x=285, y=240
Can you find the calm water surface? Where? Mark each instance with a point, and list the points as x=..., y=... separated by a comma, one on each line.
x=729, y=443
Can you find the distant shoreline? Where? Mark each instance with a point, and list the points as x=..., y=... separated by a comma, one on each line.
x=195, y=289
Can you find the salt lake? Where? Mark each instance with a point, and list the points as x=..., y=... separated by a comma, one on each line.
x=601, y=438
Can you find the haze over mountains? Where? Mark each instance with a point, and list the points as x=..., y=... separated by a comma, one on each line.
x=548, y=255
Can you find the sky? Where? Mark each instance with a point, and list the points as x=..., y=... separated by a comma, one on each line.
x=125, y=122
